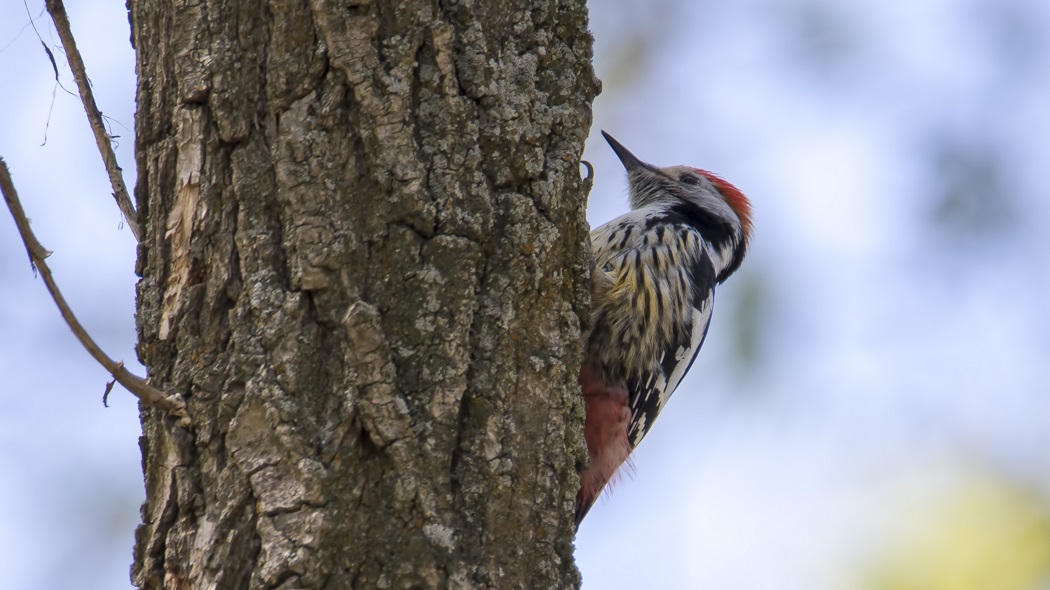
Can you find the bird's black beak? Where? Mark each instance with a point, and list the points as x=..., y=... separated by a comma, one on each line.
x=630, y=161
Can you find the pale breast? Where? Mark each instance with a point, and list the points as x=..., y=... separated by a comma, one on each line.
x=651, y=297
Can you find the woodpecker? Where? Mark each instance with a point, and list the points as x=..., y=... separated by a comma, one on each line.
x=652, y=291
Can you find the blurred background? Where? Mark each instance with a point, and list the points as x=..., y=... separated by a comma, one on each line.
x=872, y=407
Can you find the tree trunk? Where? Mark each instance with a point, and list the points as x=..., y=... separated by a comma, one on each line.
x=364, y=266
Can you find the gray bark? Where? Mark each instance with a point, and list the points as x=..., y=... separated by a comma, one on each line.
x=364, y=266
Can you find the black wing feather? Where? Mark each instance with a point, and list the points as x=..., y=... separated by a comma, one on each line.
x=651, y=390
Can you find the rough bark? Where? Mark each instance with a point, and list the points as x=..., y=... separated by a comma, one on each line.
x=364, y=265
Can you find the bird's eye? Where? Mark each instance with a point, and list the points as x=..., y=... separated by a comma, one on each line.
x=689, y=179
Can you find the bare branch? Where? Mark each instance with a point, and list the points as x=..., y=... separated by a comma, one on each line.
x=57, y=10
x=173, y=404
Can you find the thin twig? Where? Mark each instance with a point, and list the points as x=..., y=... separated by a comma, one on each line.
x=150, y=395
x=57, y=10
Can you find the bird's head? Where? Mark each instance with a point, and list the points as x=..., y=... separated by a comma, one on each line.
x=711, y=194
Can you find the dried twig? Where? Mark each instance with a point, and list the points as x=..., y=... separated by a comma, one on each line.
x=57, y=10
x=152, y=396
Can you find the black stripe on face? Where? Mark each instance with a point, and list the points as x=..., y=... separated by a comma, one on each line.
x=714, y=229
